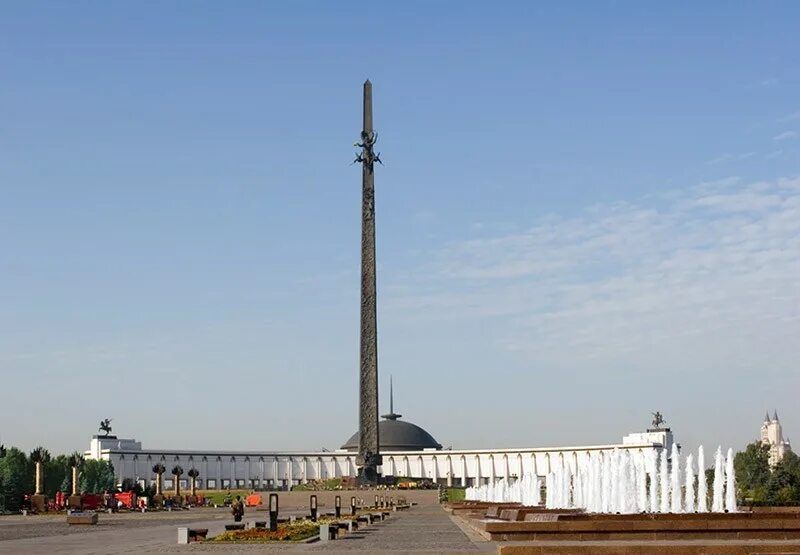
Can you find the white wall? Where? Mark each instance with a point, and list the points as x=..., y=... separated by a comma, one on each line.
x=273, y=469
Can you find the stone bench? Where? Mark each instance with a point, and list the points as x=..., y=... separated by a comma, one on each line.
x=196, y=534
x=366, y=519
x=229, y=527
x=328, y=532
x=187, y=535
x=82, y=518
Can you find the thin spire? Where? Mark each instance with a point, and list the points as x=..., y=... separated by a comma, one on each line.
x=392, y=415
x=776, y=415
x=766, y=418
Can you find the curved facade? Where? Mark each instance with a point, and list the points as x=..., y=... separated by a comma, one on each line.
x=275, y=470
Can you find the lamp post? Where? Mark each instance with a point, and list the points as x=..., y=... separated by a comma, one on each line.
x=273, y=512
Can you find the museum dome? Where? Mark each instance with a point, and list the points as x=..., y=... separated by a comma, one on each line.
x=397, y=435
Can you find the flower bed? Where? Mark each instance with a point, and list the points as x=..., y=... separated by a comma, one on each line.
x=291, y=532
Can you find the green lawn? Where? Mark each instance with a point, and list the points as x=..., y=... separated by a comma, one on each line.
x=217, y=496
x=456, y=494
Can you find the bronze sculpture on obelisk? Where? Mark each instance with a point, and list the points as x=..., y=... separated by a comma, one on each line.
x=369, y=458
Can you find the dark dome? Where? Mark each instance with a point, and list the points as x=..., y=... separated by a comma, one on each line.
x=396, y=435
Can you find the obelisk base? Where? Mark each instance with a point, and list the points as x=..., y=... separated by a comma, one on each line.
x=75, y=502
x=368, y=476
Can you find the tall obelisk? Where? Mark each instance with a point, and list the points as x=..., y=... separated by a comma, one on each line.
x=369, y=457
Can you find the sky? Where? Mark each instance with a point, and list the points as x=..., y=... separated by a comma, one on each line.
x=588, y=212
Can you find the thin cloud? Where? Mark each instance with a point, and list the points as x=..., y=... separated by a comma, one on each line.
x=706, y=274
x=719, y=159
x=794, y=116
x=785, y=135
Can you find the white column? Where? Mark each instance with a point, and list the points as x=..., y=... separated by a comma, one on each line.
x=449, y=471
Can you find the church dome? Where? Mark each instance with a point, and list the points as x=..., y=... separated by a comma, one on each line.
x=396, y=435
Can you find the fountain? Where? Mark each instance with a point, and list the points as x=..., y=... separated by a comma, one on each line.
x=675, y=481
x=664, y=479
x=653, y=470
x=689, y=486
x=730, y=486
x=702, y=486
x=617, y=482
x=719, y=483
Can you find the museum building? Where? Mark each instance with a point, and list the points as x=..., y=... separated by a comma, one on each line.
x=409, y=452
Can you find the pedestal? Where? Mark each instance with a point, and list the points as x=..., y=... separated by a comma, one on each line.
x=39, y=502
x=75, y=502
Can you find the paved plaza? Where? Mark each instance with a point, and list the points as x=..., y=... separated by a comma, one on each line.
x=426, y=528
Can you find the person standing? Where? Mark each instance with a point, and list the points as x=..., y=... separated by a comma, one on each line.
x=237, y=509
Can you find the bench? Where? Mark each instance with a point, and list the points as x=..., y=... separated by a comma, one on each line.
x=186, y=535
x=82, y=518
x=366, y=519
x=229, y=527
x=343, y=525
x=328, y=532
x=260, y=524
x=197, y=534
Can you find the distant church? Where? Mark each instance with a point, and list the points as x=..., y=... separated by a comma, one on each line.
x=772, y=435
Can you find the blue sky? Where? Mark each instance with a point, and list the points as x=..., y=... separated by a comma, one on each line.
x=588, y=212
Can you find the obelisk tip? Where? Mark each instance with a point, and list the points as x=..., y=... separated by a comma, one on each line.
x=367, y=83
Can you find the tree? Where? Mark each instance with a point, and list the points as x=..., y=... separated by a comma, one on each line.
x=56, y=472
x=158, y=470
x=66, y=484
x=39, y=457
x=16, y=477
x=783, y=486
x=177, y=471
x=193, y=474
x=97, y=476
x=2, y=497
x=129, y=484
x=752, y=469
